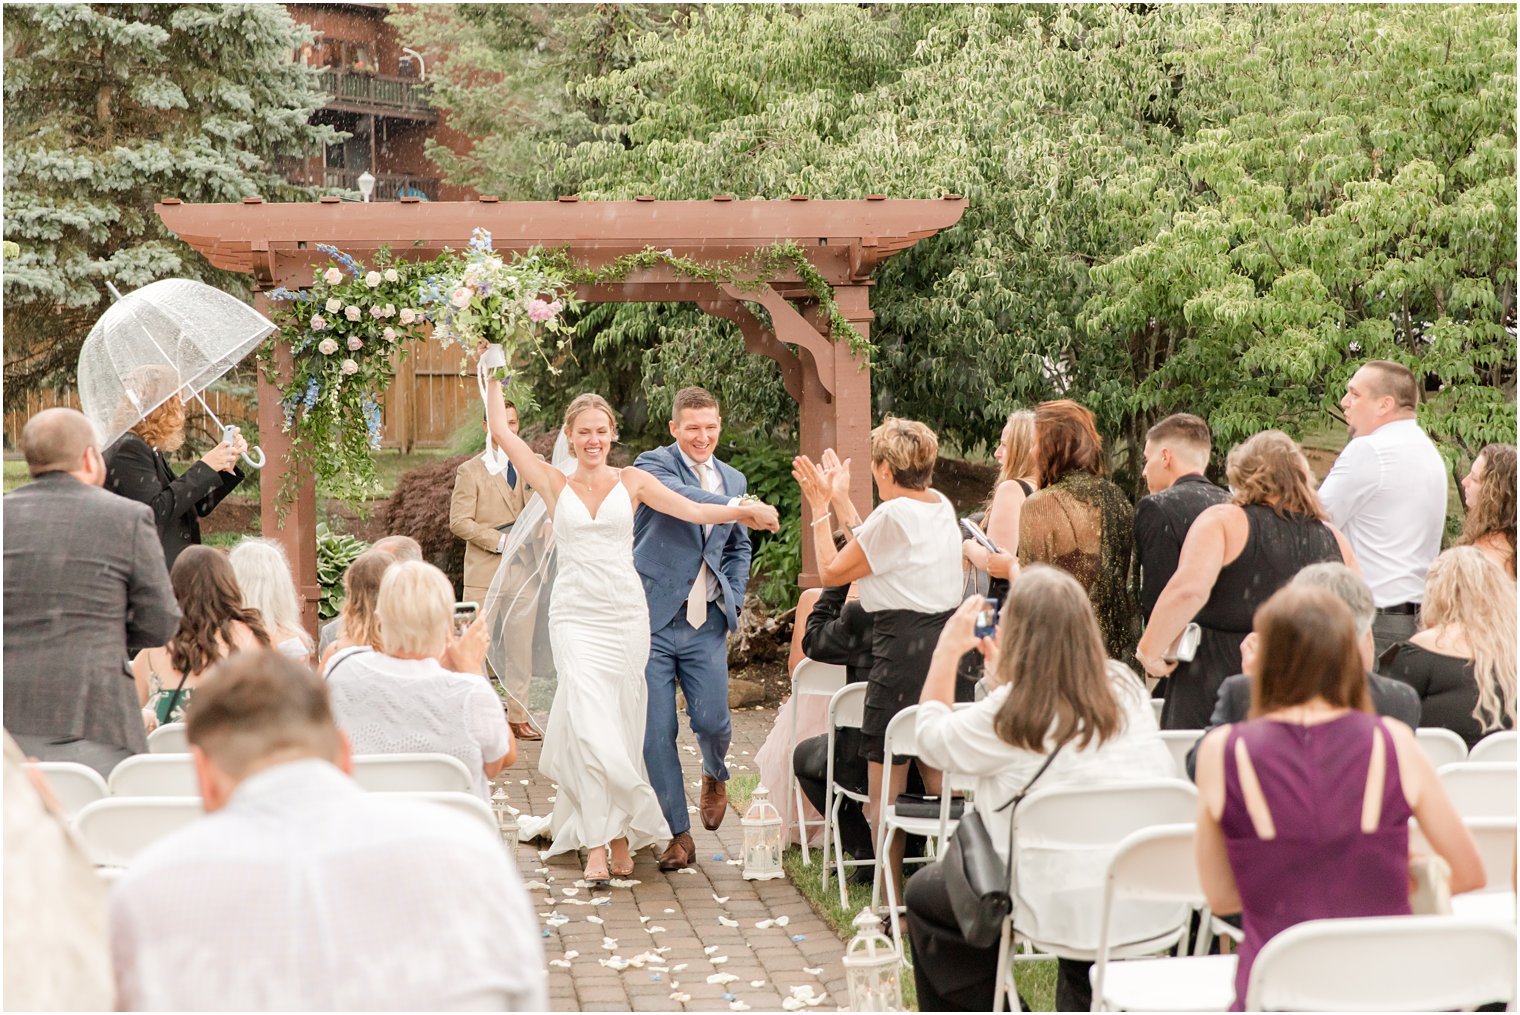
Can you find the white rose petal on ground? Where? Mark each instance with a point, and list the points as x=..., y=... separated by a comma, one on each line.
x=726, y=922
x=722, y=978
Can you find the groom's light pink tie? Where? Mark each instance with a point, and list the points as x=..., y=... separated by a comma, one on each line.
x=696, y=600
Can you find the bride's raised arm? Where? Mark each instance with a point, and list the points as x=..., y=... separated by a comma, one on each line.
x=648, y=490
x=546, y=480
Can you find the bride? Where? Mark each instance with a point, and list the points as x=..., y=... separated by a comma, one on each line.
x=599, y=632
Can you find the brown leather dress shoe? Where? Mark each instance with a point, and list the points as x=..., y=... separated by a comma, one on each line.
x=714, y=802
x=525, y=731
x=679, y=853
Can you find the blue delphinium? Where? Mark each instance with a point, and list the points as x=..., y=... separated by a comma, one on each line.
x=313, y=394
x=348, y=263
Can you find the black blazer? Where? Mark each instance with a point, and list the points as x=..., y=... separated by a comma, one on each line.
x=1162, y=521
x=1390, y=697
x=136, y=471
x=839, y=631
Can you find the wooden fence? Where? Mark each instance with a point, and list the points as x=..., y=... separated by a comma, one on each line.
x=424, y=403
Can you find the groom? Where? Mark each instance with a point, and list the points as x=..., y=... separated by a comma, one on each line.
x=694, y=578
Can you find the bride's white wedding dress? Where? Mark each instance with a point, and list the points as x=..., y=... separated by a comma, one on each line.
x=599, y=632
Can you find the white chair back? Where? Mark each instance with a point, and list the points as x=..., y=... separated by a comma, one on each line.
x=412, y=773
x=1157, y=704
x=465, y=803
x=1179, y=742
x=169, y=739
x=847, y=708
x=1385, y=963
x=1441, y=745
x=1496, y=747
x=1481, y=790
x=74, y=785
x=1102, y=814
x=1495, y=838
x=113, y=831
x=813, y=677
x=901, y=739
x=155, y=775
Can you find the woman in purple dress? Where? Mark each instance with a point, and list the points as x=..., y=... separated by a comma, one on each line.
x=1304, y=809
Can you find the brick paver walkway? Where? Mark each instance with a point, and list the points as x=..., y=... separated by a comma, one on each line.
x=683, y=941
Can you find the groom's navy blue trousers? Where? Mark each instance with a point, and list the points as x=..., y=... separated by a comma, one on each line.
x=697, y=659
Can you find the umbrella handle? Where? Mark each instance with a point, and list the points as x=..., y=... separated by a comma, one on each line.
x=249, y=459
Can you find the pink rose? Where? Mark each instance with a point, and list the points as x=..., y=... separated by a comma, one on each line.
x=332, y=276
x=318, y=322
x=542, y=310
x=327, y=347
x=334, y=305
x=390, y=310
x=355, y=344
x=377, y=312
x=353, y=313
x=391, y=275
x=372, y=279
x=461, y=297
x=389, y=334
x=408, y=315
x=349, y=367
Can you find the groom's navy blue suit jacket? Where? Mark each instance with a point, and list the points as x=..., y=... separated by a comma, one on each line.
x=668, y=552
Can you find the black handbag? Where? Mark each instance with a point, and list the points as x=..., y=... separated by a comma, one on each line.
x=976, y=877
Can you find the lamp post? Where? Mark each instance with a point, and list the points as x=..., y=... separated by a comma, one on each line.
x=366, y=184
x=421, y=64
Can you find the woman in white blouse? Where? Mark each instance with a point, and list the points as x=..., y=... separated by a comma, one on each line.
x=1056, y=691
x=426, y=693
x=905, y=559
x=264, y=575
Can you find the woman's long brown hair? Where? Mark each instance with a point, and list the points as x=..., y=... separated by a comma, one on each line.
x=1308, y=650
x=1053, y=659
x=210, y=603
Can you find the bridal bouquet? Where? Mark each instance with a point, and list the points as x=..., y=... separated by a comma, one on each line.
x=516, y=302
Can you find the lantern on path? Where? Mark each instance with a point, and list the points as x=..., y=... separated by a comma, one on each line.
x=506, y=819
x=762, y=838
x=872, y=967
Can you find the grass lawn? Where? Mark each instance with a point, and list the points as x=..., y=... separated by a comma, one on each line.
x=1036, y=980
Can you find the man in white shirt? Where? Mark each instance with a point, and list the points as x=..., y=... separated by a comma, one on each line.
x=1387, y=493
x=300, y=891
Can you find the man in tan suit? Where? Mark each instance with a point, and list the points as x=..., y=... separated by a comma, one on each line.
x=481, y=513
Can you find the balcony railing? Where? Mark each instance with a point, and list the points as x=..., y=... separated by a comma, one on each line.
x=388, y=186
x=375, y=92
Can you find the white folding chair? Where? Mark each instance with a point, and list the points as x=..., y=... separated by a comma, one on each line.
x=1480, y=790
x=1385, y=963
x=846, y=711
x=902, y=741
x=1496, y=747
x=809, y=678
x=154, y=775
x=114, y=830
x=412, y=773
x=1179, y=742
x=1441, y=745
x=1157, y=865
x=1091, y=820
x=74, y=785
x=1495, y=838
x=1157, y=704
x=465, y=803
x=169, y=739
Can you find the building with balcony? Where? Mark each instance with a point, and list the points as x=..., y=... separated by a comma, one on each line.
x=377, y=94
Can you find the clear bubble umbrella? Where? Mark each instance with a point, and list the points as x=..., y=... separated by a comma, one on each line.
x=171, y=337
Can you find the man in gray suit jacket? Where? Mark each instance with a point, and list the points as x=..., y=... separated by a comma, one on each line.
x=85, y=589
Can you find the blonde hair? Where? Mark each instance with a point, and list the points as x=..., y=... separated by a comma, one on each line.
x=415, y=607
x=582, y=403
x=909, y=448
x=1270, y=469
x=263, y=575
x=361, y=587
x=1465, y=587
x=1018, y=457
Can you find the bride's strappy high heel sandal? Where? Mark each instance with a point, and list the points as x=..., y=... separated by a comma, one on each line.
x=620, y=870
x=596, y=872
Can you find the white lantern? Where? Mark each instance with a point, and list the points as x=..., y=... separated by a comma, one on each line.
x=872, y=967
x=506, y=819
x=762, y=838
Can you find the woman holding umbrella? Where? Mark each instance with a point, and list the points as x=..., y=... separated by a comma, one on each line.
x=137, y=466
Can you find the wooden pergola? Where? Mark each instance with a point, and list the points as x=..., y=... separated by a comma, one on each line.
x=845, y=241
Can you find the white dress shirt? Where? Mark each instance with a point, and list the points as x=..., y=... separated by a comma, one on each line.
x=1387, y=494
x=712, y=482
x=914, y=549
x=1060, y=893
x=306, y=893
x=414, y=706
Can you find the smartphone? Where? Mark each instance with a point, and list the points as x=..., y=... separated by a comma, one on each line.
x=464, y=616
x=986, y=619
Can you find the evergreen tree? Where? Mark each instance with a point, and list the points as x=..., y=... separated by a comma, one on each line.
x=111, y=107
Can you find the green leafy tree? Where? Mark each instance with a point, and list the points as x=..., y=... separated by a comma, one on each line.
x=110, y=107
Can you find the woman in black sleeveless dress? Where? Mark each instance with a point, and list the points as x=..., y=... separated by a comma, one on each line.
x=1235, y=557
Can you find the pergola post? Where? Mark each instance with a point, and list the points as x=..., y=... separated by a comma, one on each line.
x=294, y=529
